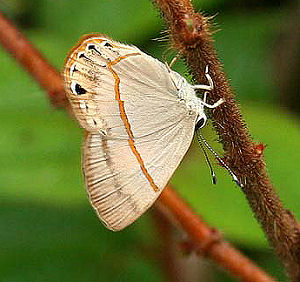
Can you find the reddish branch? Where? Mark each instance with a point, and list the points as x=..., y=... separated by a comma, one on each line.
x=190, y=34
x=203, y=237
x=32, y=60
x=207, y=241
x=167, y=255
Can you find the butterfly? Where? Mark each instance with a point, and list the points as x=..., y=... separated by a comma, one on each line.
x=139, y=118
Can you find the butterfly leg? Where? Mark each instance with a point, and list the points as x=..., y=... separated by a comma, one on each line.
x=174, y=60
x=205, y=96
x=216, y=104
x=209, y=87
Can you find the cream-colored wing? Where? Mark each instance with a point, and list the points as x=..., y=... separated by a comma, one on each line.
x=119, y=189
x=138, y=129
x=97, y=75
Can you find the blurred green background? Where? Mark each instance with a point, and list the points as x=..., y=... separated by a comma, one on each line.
x=48, y=231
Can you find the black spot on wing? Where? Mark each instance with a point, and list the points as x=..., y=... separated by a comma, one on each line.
x=79, y=90
x=82, y=55
x=107, y=44
x=93, y=47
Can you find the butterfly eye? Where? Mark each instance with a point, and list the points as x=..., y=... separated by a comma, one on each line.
x=200, y=123
x=77, y=89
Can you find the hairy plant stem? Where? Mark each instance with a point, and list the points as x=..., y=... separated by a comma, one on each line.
x=191, y=36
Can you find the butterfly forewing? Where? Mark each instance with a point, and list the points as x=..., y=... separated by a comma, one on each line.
x=137, y=129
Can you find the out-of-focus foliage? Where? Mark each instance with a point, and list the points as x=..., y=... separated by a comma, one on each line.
x=48, y=231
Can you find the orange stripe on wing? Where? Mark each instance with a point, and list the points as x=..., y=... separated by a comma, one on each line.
x=126, y=121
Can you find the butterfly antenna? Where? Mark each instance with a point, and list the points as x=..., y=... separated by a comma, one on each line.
x=213, y=175
x=202, y=141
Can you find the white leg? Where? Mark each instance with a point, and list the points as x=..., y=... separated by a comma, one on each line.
x=174, y=60
x=218, y=103
x=204, y=96
x=208, y=77
x=169, y=66
x=210, y=81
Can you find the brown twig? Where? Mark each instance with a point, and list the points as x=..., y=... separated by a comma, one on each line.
x=190, y=34
x=207, y=241
x=178, y=253
x=32, y=60
x=203, y=237
x=167, y=257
